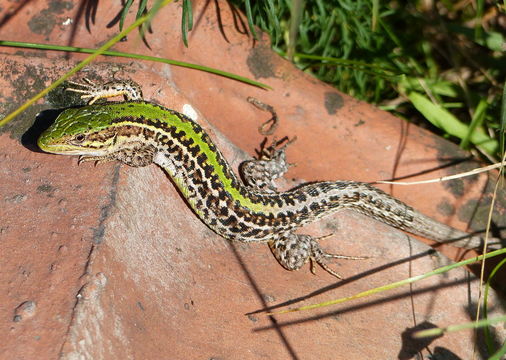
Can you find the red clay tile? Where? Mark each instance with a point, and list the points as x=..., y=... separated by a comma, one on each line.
x=109, y=262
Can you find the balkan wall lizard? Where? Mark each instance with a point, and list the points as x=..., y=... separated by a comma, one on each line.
x=139, y=133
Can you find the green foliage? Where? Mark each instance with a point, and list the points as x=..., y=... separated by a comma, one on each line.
x=186, y=21
x=449, y=53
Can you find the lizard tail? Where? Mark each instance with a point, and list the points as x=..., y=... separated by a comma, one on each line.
x=444, y=234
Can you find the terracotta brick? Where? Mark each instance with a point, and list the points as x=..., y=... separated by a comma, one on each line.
x=109, y=262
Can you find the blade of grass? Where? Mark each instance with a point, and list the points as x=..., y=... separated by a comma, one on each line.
x=436, y=86
x=446, y=178
x=499, y=354
x=249, y=16
x=488, y=337
x=295, y=19
x=487, y=233
x=503, y=119
x=468, y=325
x=136, y=56
x=478, y=31
x=124, y=13
x=395, y=284
x=144, y=27
x=142, y=8
x=375, y=14
x=476, y=121
x=157, y=6
x=444, y=120
x=187, y=20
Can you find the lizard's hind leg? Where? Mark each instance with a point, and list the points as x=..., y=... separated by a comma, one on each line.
x=294, y=250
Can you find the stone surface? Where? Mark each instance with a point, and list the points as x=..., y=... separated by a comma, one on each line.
x=109, y=262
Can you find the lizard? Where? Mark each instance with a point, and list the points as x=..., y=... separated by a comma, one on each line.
x=138, y=133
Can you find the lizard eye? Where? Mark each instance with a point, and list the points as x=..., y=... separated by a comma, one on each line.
x=79, y=138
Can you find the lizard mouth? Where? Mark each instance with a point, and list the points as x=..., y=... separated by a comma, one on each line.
x=65, y=149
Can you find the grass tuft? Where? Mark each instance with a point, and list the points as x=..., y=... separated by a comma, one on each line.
x=397, y=54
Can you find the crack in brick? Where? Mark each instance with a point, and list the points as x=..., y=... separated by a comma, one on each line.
x=98, y=233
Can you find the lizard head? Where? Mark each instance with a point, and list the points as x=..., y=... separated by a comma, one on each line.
x=80, y=131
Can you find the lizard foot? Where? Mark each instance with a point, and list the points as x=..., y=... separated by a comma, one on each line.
x=270, y=165
x=294, y=250
x=126, y=88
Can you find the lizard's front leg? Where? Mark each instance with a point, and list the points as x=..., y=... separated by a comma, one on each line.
x=134, y=154
x=271, y=164
x=130, y=90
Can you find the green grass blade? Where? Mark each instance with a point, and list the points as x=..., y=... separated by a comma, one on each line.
x=488, y=337
x=437, y=86
x=186, y=20
x=395, y=284
x=499, y=354
x=375, y=14
x=476, y=122
x=124, y=13
x=136, y=56
x=503, y=119
x=444, y=120
x=295, y=20
x=249, y=16
x=464, y=326
x=190, y=16
x=142, y=8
